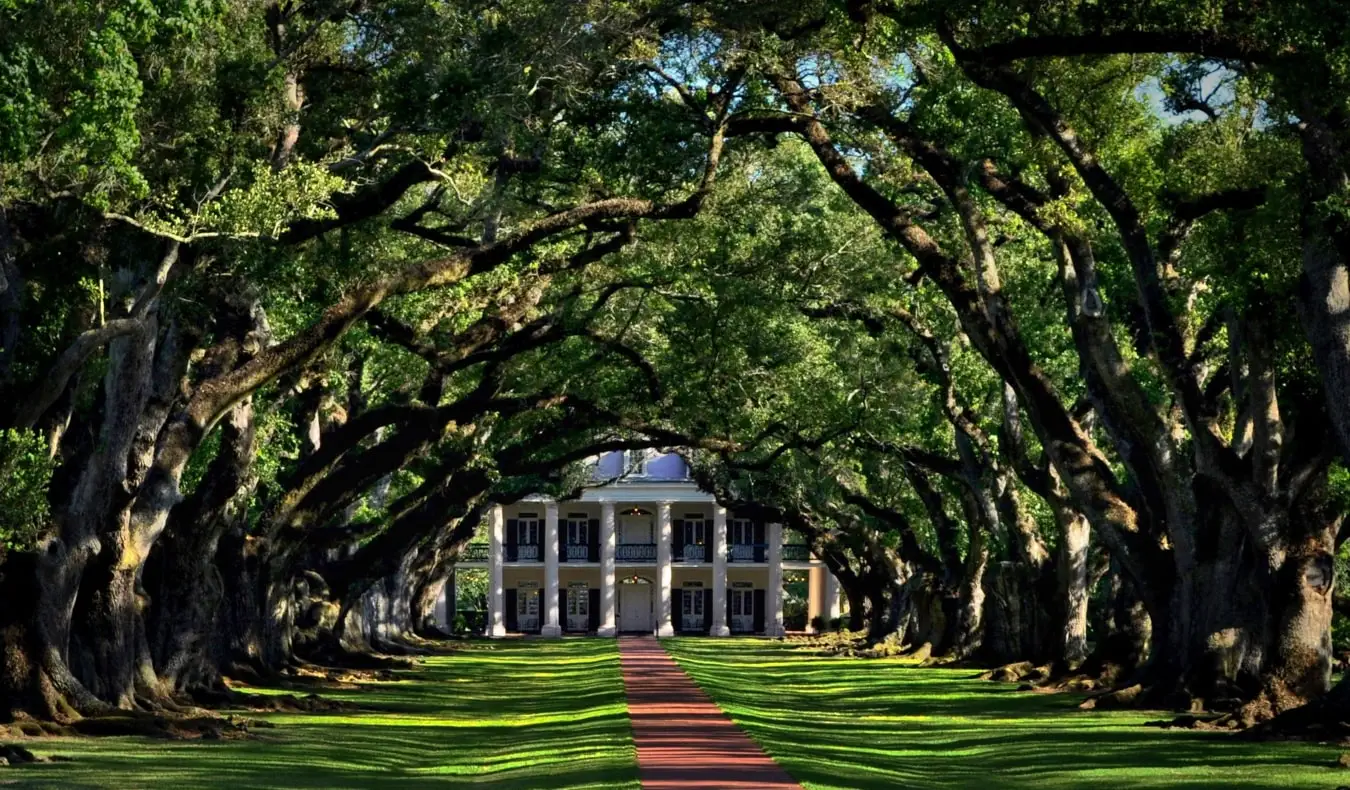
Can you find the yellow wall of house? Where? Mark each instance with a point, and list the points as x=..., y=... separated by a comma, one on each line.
x=758, y=576
x=512, y=577
x=589, y=575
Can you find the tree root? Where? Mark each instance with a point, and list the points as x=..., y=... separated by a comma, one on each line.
x=840, y=643
x=1326, y=719
x=149, y=725
x=12, y=755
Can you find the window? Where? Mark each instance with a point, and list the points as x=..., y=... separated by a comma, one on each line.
x=742, y=532
x=528, y=534
x=577, y=529
x=695, y=530
x=635, y=462
x=527, y=529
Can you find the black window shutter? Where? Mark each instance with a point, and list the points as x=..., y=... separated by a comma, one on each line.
x=677, y=540
x=759, y=611
x=512, y=532
x=760, y=553
x=730, y=622
x=707, y=611
x=593, y=545
x=594, y=609
x=562, y=608
x=677, y=610
x=512, y=622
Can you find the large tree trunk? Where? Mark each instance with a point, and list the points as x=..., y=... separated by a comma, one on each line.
x=1324, y=289
x=187, y=593
x=969, y=632
x=1071, y=576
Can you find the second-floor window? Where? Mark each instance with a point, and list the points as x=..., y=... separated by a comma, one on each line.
x=527, y=530
x=577, y=530
x=695, y=530
x=742, y=532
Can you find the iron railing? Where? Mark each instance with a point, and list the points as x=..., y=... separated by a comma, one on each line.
x=522, y=553
x=474, y=552
x=574, y=552
x=747, y=552
x=635, y=552
x=691, y=552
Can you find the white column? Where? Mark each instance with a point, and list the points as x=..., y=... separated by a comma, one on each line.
x=496, y=589
x=607, y=591
x=551, y=626
x=452, y=596
x=719, y=601
x=441, y=615
x=773, y=620
x=831, y=609
x=664, y=535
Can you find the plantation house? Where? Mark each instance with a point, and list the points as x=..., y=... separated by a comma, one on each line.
x=648, y=552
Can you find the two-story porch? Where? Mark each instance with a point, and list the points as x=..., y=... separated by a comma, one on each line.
x=647, y=555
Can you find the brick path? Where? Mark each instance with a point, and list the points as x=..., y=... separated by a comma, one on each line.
x=684, y=741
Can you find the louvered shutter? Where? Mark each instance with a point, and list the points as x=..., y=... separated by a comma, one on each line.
x=512, y=539
x=677, y=540
x=562, y=608
x=594, y=609
x=677, y=610
x=760, y=551
x=707, y=611
x=593, y=542
x=512, y=622
x=759, y=611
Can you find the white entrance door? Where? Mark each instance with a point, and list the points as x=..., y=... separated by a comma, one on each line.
x=527, y=610
x=578, y=608
x=691, y=611
x=742, y=610
x=635, y=607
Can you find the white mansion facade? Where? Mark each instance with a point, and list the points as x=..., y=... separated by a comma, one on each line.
x=647, y=553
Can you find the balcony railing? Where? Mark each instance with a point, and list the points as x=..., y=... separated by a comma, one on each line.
x=635, y=552
x=747, y=552
x=640, y=552
x=525, y=553
x=691, y=552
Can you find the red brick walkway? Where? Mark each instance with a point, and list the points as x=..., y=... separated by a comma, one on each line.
x=684, y=741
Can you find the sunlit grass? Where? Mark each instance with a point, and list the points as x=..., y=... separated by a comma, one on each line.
x=860, y=724
x=515, y=714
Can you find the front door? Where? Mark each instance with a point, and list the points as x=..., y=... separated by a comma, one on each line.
x=635, y=607
x=691, y=609
x=742, y=610
x=578, y=608
x=527, y=610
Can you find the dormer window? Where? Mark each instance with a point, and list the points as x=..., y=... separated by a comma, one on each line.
x=635, y=462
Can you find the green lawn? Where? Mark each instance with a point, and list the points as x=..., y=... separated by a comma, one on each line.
x=859, y=724
x=551, y=714
x=512, y=714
